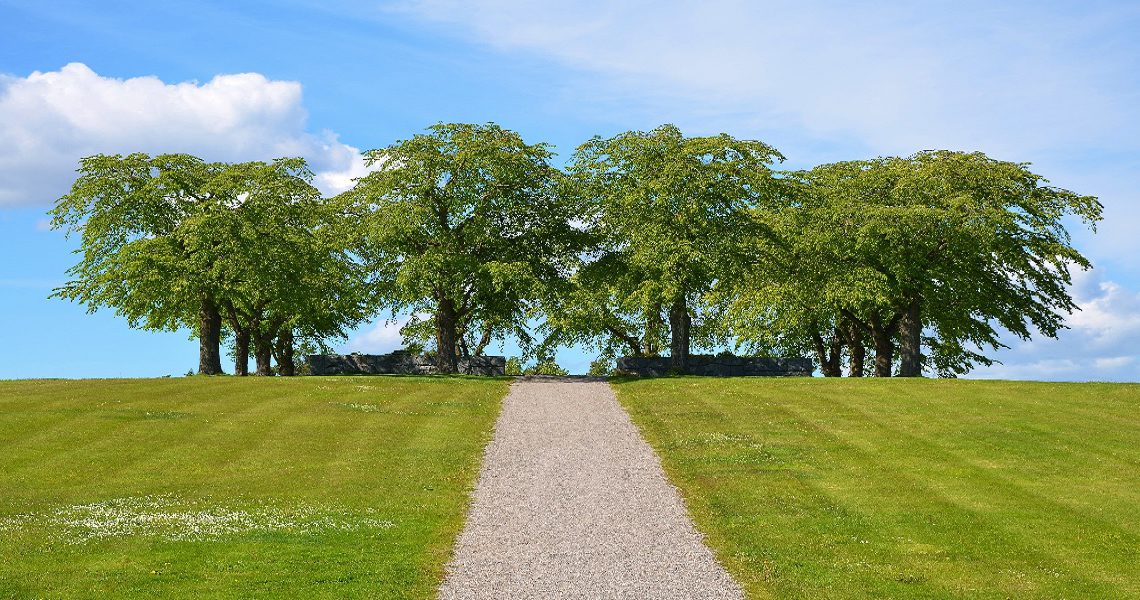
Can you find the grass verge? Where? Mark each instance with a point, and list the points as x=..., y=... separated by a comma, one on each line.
x=810, y=488
x=236, y=488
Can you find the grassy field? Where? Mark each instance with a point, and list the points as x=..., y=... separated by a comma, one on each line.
x=236, y=488
x=812, y=488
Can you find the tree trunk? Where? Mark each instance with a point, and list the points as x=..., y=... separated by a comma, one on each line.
x=828, y=362
x=633, y=343
x=241, y=352
x=634, y=348
x=653, y=326
x=679, y=325
x=835, y=344
x=910, y=348
x=464, y=351
x=484, y=341
x=209, y=338
x=856, y=352
x=284, y=354
x=263, y=354
x=445, y=336
x=884, y=338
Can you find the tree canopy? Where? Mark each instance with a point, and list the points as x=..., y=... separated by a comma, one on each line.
x=648, y=242
x=463, y=224
x=937, y=249
x=668, y=212
x=172, y=241
x=283, y=272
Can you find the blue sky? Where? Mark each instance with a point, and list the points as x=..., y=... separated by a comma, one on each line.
x=1056, y=84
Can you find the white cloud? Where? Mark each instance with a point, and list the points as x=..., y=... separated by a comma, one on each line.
x=1100, y=344
x=50, y=120
x=384, y=337
x=1109, y=318
x=1114, y=362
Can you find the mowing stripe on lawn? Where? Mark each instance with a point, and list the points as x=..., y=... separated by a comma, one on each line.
x=878, y=488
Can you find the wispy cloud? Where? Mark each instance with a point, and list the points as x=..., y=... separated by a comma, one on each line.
x=1008, y=77
x=1056, y=84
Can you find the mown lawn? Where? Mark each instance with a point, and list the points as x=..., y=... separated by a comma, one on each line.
x=811, y=488
x=236, y=488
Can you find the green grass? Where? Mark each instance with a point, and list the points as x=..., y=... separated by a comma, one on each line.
x=812, y=488
x=236, y=488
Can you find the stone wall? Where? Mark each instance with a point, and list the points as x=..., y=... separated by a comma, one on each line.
x=718, y=366
x=398, y=362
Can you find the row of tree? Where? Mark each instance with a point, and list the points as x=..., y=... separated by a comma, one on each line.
x=644, y=243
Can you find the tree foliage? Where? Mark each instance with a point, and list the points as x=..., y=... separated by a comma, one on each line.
x=940, y=249
x=650, y=242
x=283, y=271
x=668, y=213
x=139, y=256
x=172, y=241
x=463, y=223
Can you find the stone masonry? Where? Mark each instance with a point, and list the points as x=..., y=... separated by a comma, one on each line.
x=398, y=362
x=718, y=366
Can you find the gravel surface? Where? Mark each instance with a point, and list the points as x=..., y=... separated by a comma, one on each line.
x=572, y=503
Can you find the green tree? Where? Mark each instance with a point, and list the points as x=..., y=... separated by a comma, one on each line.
x=173, y=241
x=670, y=212
x=609, y=306
x=463, y=223
x=937, y=249
x=284, y=274
x=138, y=255
x=782, y=300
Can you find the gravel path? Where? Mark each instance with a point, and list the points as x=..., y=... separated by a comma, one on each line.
x=572, y=503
